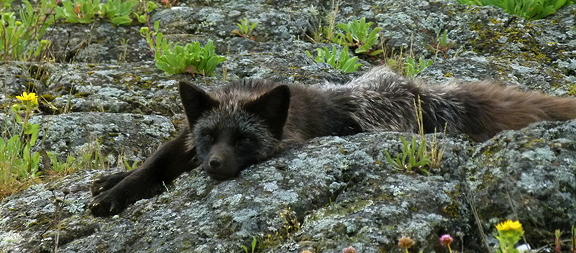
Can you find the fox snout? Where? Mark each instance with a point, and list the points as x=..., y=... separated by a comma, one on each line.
x=221, y=164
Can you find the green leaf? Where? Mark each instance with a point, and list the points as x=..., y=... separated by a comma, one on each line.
x=122, y=20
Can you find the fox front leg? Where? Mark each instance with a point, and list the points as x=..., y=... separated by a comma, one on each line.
x=113, y=193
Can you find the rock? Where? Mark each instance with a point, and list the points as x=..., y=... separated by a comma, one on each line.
x=328, y=195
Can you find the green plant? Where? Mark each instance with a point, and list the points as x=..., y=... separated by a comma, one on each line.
x=527, y=9
x=118, y=12
x=252, y=246
x=325, y=34
x=412, y=68
x=337, y=59
x=557, y=242
x=18, y=163
x=21, y=39
x=509, y=233
x=245, y=28
x=87, y=11
x=573, y=239
x=175, y=59
x=5, y=4
x=441, y=43
x=359, y=35
x=122, y=161
x=78, y=11
x=413, y=156
x=61, y=168
x=89, y=156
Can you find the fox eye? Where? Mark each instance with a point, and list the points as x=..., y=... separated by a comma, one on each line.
x=245, y=143
x=206, y=137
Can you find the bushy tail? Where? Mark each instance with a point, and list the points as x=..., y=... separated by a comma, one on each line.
x=488, y=109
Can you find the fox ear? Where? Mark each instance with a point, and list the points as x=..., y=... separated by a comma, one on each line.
x=273, y=108
x=195, y=100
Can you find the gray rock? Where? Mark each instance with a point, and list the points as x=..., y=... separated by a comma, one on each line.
x=129, y=136
x=332, y=193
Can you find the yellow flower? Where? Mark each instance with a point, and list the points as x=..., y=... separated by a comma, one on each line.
x=28, y=97
x=509, y=225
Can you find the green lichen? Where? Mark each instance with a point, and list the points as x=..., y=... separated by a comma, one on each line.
x=340, y=209
x=532, y=143
x=572, y=91
x=489, y=152
x=453, y=209
x=495, y=39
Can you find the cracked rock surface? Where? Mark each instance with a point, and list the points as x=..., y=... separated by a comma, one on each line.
x=333, y=192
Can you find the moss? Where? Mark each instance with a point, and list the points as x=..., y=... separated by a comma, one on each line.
x=496, y=39
x=81, y=94
x=48, y=97
x=453, y=209
x=532, y=143
x=488, y=180
x=489, y=152
x=340, y=209
x=572, y=91
x=226, y=225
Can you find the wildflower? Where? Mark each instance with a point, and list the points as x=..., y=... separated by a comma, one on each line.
x=446, y=240
x=349, y=250
x=509, y=233
x=509, y=225
x=405, y=243
x=31, y=97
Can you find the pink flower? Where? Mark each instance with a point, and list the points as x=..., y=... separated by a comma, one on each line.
x=446, y=240
x=349, y=250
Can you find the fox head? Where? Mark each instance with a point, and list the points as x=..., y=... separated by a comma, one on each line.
x=230, y=132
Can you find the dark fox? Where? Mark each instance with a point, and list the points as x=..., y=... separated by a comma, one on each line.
x=252, y=120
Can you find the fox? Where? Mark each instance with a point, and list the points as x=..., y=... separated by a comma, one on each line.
x=248, y=121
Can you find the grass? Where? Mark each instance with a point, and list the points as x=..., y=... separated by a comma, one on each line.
x=325, y=33
x=527, y=9
x=417, y=154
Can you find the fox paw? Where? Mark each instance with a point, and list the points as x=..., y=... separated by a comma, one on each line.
x=106, y=182
x=106, y=204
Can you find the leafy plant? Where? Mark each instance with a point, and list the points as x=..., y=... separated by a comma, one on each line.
x=21, y=39
x=413, y=156
x=527, y=9
x=61, y=168
x=5, y=4
x=18, y=163
x=118, y=12
x=252, y=246
x=441, y=44
x=359, y=35
x=337, y=59
x=412, y=68
x=78, y=11
x=509, y=233
x=175, y=59
x=245, y=28
x=87, y=11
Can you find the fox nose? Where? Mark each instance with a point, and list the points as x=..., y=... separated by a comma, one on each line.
x=215, y=162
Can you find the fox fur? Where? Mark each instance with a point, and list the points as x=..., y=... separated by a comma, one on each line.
x=249, y=121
